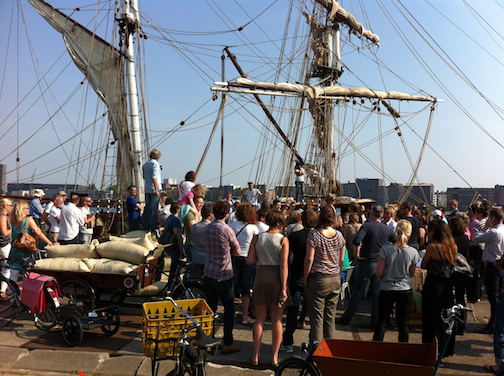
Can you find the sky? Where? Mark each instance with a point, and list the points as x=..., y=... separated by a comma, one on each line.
x=451, y=50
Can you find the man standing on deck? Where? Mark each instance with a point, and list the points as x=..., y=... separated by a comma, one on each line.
x=251, y=195
x=367, y=244
x=53, y=219
x=86, y=231
x=152, y=178
x=133, y=208
x=221, y=243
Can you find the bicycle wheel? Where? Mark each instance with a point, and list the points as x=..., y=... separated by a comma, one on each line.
x=189, y=290
x=112, y=328
x=78, y=292
x=48, y=318
x=72, y=330
x=296, y=367
x=13, y=297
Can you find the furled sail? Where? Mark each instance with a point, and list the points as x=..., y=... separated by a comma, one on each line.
x=314, y=92
x=339, y=14
x=102, y=65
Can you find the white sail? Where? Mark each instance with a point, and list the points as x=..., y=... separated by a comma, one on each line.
x=102, y=65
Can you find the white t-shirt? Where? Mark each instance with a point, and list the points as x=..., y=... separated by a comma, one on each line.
x=53, y=221
x=83, y=229
x=252, y=195
x=301, y=175
x=245, y=236
x=70, y=221
x=263, y=227
x=186, y=188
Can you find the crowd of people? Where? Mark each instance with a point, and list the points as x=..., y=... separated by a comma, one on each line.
x=292, y=256
x=56, y=223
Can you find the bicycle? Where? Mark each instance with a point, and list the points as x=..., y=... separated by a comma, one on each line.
x=306, y=366
x=189, y=352
x=176, y=287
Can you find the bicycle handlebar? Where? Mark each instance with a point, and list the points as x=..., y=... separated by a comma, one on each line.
x=188, y=316
x=449, y=314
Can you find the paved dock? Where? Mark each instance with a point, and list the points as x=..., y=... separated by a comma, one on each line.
x=25, y=350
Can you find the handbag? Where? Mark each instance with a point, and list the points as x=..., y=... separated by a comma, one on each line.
x=25, y=242
x=462, y=269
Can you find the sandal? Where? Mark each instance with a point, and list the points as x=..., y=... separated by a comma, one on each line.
x=276, y=365
x=490, y=368
x=252, y=363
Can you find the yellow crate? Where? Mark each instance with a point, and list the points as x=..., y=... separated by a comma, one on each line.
x=163, y=323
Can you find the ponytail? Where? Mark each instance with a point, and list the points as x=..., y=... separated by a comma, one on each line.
x=403, y=231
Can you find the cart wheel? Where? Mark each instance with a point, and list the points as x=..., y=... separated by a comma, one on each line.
x=48, y=318
x=112, y=328
x=72, y=330
x=78, y=292
x=295, y=366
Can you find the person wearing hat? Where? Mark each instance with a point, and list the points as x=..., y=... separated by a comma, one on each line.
x=36, y=208
x=438, y=214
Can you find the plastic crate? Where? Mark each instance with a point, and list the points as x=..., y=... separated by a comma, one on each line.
x=163, y=324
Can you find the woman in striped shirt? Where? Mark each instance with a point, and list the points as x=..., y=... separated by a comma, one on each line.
x=325, y=251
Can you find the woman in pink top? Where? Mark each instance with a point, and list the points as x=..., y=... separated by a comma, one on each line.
x=325, y=251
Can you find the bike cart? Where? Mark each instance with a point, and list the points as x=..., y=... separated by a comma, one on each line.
x=41, y=297
x=376, y=358
x=164, y=324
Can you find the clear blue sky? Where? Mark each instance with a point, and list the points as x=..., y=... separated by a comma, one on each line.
x=178, y=84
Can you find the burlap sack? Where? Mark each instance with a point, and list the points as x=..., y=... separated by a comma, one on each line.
x=144, y=241
x=124, y=251
x=70, y=264
x=108, y=266
x=71, y=250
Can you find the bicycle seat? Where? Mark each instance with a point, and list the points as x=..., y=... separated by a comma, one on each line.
x=202, y=340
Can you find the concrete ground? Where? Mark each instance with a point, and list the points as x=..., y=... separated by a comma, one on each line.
x=473, y=350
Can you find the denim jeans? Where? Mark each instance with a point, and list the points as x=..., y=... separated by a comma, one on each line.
x=188, y=251
x=149, y=217
x=493, y=282
x=499, y=331
x=296, y=291
x=225, y=291
x=85, y=238
x=243, y=274
x=364, y=272
x=403, y=301
x=135, y=225
x=299, y=191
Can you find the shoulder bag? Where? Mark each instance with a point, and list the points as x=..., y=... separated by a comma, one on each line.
x=462, y=269
x=25, y=241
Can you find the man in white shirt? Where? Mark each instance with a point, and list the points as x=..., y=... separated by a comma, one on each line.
x=251, y=195
x=70, y=221
x=86, y=231
x=300, y=181
x=53, y=217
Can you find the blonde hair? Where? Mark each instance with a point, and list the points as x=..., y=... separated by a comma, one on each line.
x=4, y=202
x=200, y=189
x=403, y=231
x=17, y=214
x=392, y=209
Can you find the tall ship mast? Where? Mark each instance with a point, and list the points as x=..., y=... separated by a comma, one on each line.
x=320, y=91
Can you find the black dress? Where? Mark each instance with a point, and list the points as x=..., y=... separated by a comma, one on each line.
x=437, y=295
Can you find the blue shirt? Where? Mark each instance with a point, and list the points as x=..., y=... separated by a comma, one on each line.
x=152, y=170
x=131, y=204
x=35, y=208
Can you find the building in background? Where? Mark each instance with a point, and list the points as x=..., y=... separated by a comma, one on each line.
x=3, y=178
